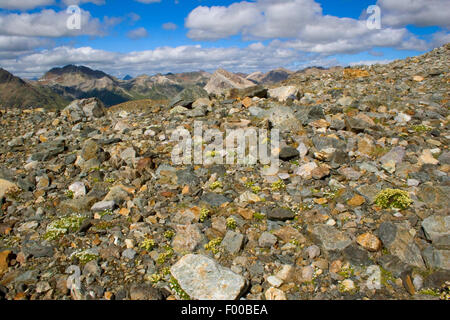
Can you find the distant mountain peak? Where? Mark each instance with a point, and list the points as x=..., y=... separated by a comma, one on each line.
x=73, y=69
x=17, y=93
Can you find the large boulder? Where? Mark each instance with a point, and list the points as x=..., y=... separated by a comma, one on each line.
x=284, y=93
x=89, y=108
x=203, y=278
x=223, y=80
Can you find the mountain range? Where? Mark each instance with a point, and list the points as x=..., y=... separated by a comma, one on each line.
x=17, y=93
x=61, y=85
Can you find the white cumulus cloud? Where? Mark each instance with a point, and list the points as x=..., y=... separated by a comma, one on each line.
x=24, y=4
x=138, y=33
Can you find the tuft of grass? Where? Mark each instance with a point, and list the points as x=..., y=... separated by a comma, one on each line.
x=259, y=216
x=85, y=256
x=347, y=272
x=393, y=198
x=147, y=244
x=279, y=185
x=204, y=214
x=231, y=223
x=155, y=278
x=163, y=257
x=169, y=234
x=62, y=226
x=420, y=128
x=216, y=185
x=213, y=245
x=69, y=194
x=175, y=286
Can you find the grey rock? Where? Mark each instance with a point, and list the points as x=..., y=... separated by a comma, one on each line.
x=393, y=264
x=312, y=251
x=444, y=158
x=232, y=242
x=187, y=238
x=92, y=269
x=288, y=153
x=128, y=155
x=143, y=291
x=396, y=155
x=38, y=250
x=103, y=205
x=437, y=229
x=203, y=278
x=214, y=199
x=315, y=113
x=267, y=240
x=129, y=254
x=399, y=241
x=280, y=214
x=356, y=124
x=330, y=238
x=436, y=258
x=187, y=177
x=16, y=142
x=357, y=256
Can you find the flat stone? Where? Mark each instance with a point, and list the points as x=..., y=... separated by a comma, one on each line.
x=288, y=233
x=400, y=242
x=38, y=250
x=437, y=258
x=186, y=239
x=90, y=150
x=312, y=251
x=356, y=201
x=274, y=281
x=203, y=278
x=78, y=189
x=330, y=238
x=144, y=291
x=129, y=254
x=280, y=214
x=103, y=205
x=288, y=153
x=437, y=229
x=283, y=93
x=232, y=242
x=267, y=240
x=356, y=255
x=395, y=155
x=214, y=199
x=275, y=294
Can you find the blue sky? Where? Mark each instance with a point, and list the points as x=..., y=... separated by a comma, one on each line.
x=150, y=36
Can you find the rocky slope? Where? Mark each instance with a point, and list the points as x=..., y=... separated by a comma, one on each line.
x=16, y=93
x=78, y=82
x=358, y=209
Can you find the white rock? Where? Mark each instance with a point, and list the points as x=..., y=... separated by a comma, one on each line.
x=203, y=278
x=347, y=285
x=283, y=93
x=305, y=170
x=78, y=189
x=275, y=294
x=402, y=118
x=274, y=281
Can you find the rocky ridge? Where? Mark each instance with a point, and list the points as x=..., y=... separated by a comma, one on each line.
x=358, y=209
